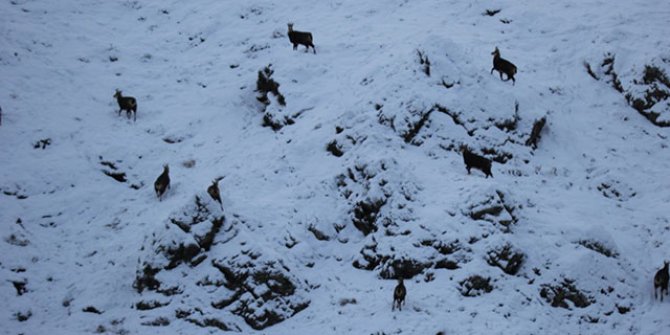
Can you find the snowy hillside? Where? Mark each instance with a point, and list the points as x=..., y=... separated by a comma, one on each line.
x=348, y=176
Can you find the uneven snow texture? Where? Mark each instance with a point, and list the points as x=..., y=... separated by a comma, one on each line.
x=347, y=176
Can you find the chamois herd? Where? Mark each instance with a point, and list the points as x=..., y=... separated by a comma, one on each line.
x=471, y=160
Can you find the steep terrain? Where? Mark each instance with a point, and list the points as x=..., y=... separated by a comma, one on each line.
x=342, y=170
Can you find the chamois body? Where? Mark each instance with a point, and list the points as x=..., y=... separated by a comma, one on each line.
x=661, y=280
x=128, y=104
x=503, y=66
x=478, y=162
x=213, y=191
x=535, y=133
x=399, y=294
x=162, y=182
x=300, y=37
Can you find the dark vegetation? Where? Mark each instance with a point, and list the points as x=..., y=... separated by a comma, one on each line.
x=261, y=290
x=265, y=84
x=42, y=144
x=559, y=295
x=648, y=95
x=424, y=61
x=598, y=247
x=507, y=258
x=475, y=285
x=491, y=12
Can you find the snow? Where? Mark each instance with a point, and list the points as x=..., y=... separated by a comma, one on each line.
x=76, y=238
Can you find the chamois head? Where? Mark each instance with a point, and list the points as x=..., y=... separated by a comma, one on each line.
x=290, y=26
x=496, y=52
x=117, y=93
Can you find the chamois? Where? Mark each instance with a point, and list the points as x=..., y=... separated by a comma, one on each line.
x=300, y=37
x=162, y=182
x=399, y=295
x=475, y=161
x=503, y=66
x=661, y=280
x=213, y=191
x=128, y=104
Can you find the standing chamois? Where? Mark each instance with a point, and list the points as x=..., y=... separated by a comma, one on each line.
x=661, y=280
x=213, y=191
x=300, y=37
x=503, y=66
x=162, y=182
x=128, y=104
x=475, y=161
x=399, y=295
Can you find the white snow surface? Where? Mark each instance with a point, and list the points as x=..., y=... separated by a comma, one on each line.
x=74, y=237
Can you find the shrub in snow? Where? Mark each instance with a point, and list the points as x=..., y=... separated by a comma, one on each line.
x=240, y=277
x=366, y=213
x=265, y=84
x=598, y=247
x=263, y=293
x=557, y=295
x=403, y=268
x=650, y=95
x=506, y=258
x=615, y=189
x=42, y=144
x=424, y=61
x=475, y=285
x=648, y=91
x=494, y=209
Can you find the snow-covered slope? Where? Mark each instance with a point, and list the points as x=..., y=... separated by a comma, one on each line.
x=355, y=181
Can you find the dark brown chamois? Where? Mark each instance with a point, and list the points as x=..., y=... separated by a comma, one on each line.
x=475, y=161
x=162, y=182
x=128, y=104
x=213, y=191
x=503, y=66
x=661, y=280
x=399, y=294
x=300, y=37
x=535, y=133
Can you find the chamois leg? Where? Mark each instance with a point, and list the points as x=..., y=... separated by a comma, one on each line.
x=313, y=48
x=295, y=46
